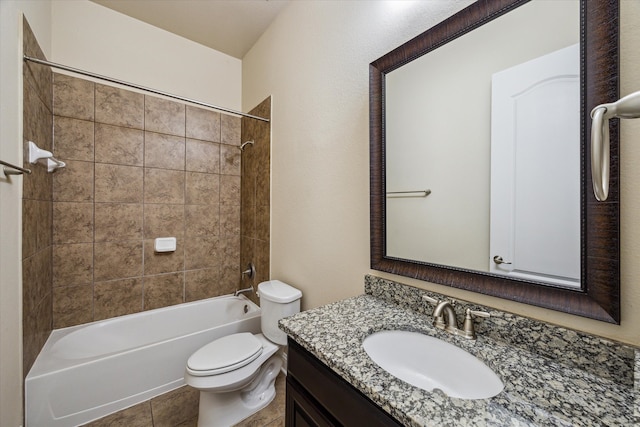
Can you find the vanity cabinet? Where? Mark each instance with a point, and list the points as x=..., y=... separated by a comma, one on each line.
x=317, y=396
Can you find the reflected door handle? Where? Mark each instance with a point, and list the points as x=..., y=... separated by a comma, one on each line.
x=498, y=260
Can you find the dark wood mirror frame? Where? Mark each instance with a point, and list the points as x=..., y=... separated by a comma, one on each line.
x=599, y=297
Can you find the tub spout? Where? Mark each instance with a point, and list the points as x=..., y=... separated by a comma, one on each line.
x=240, y=291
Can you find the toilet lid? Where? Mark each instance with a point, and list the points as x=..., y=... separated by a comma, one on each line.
x=225, y=354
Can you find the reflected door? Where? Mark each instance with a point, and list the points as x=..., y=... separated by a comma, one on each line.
x=535, y=170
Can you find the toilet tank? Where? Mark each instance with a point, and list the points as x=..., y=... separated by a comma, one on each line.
x=277, y=300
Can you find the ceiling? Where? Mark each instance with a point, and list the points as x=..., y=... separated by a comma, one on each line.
x=228, y=26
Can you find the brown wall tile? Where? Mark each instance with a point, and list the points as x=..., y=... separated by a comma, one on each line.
x=230, y=280
x=229, y=160
x=202, y=188
x=230, y=251
x=37, y=119
x=164, y=116
x=39, y=75
x=73, y=183
x=203, y=124
x=29, y=227
x=230, y=130
x=261, y=260
x=203, y=156
x=44, y=215
x=263, y=223
x=200, y=284
x=119, y=107
x=263, y=189
x=119, y=145
x=163, y=290
x=72, y=305
x=73, y=97
x=163, y=186
x=36, y=271
x=117, y=260
x=201, y=252
x=74, y=138
x=118, y=221
x=255, y=195
x=163, y=221
x=117, y=298
x=230, y=189
x=229, y=218
x=72, y=264
x=72, y=222
x=37, y=326
x=248, y=219
x=148, y=181
x=201, y=220
x=116, y=183
x=162, y=262
x=163, y=151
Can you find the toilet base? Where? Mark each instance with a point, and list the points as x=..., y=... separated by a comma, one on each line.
x=228, y=408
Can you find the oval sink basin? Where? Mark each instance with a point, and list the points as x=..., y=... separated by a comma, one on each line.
x=430, y=363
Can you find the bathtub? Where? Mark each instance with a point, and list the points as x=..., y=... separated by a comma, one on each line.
x=88, y=371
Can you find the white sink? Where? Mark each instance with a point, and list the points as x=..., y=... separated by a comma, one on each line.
x=429, y=363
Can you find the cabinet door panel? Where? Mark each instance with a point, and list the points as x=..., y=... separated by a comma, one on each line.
x=302, y=411
x=339, y=400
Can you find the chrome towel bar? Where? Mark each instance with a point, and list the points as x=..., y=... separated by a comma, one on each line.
x=10, y=169
x=624, y=108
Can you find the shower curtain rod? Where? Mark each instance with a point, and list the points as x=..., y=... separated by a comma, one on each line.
x=135, y=86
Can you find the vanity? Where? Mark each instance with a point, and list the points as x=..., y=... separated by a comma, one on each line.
x=552, y=376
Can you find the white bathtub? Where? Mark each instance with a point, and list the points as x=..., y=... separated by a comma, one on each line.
x=86, y=372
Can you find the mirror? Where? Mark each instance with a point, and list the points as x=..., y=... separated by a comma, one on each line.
x=449, y=155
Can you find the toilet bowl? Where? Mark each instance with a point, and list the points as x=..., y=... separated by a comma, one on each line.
x=236, y=374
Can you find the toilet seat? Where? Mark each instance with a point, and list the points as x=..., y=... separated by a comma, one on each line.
x=225, y=354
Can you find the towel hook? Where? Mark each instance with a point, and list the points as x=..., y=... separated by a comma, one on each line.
x=36, y=154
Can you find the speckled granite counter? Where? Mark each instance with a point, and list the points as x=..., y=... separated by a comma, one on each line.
x=552, y=376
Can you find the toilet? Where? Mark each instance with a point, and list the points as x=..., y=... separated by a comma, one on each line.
x=236, y=374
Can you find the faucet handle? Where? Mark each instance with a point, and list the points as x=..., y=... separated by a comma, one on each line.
x=432, y=300
x=468, y=329
x=478, y=313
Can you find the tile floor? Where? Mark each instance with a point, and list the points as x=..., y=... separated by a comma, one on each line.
x=271, y=416
x=171, y=409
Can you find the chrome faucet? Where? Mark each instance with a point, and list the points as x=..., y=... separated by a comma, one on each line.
x=444, y=317
x=239, y=291
x=448, y=322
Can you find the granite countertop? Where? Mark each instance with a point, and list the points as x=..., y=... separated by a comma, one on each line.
x=540, y=390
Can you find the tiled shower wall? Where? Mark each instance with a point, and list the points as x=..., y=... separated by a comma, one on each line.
x=256, y=193
x=36, y=206
x=140, y=167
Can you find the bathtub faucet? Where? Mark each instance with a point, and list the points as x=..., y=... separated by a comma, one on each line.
x=239, y=291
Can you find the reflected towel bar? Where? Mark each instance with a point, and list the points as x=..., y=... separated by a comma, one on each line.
x=415, y=193
x=10, y=169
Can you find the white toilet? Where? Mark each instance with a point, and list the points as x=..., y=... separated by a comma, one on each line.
x=236, y=374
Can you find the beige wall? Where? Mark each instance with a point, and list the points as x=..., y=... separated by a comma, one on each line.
x=314, y=62
x=94, y=38
x=39, y=14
